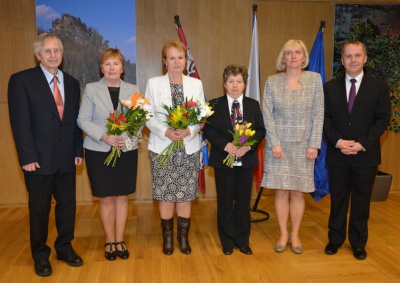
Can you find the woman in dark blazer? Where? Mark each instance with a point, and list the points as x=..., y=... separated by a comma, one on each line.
x=233, y=184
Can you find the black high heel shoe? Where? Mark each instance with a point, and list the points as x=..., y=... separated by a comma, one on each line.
x=110, y=255
x=124, y=253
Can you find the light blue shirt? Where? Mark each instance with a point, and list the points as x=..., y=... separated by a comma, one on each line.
x=60, y=78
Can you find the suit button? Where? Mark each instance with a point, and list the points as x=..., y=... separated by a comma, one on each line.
x=349, y=124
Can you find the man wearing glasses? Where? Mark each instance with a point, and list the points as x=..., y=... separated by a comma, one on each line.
x=43, y=106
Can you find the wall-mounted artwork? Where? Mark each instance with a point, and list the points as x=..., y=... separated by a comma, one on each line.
x=378, y=27
x=384, y=20
x=86, y=28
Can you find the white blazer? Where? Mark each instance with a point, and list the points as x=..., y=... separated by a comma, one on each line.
x=158, y=93
x=96, y=107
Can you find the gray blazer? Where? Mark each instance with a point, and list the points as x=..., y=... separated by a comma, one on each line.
x=96, y=106
x=294, y=118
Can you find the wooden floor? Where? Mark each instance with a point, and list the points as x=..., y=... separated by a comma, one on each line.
x=207, y=263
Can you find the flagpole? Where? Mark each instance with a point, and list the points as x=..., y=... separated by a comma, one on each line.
x=254, y=208
x=321, y=27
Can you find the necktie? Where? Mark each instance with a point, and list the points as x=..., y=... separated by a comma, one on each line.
x=352, y=94
x=236, y=114
x=58, y=98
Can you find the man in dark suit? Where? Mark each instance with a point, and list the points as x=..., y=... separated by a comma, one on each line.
x=233, y=184
x=357, y=112
x=43, y=105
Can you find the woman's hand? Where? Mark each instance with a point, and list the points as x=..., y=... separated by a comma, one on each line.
x=277, y=152
x=114, y=140
x=242, y=151
x=231, y=149
x=177, y=134
x=311, y=153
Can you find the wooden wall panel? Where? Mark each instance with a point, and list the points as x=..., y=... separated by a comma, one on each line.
x=218, y=32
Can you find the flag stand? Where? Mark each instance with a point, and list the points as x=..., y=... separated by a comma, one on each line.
x=253, y=91
x=255, y=209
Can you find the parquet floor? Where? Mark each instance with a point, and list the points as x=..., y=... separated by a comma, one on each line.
x=207, y=263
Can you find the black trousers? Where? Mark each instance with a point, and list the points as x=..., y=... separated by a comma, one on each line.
x=41, y=189
x=233, y=205
x=350, y=185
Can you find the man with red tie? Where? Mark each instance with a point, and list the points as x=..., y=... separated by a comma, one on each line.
x=43, y=106
x=357, y=112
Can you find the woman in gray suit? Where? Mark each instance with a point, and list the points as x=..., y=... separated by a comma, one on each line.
x=293, y=111
x=176, y=184
x=111, y=184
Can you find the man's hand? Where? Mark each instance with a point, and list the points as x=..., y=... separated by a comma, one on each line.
x=31, y=167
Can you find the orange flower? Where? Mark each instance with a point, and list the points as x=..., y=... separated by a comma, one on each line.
x=134, y=99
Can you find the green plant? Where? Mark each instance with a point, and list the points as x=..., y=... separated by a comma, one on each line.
x=383, y=62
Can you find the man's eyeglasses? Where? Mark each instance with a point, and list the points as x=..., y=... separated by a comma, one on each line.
x=49, y=51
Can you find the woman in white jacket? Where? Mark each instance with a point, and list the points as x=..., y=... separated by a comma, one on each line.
x=176, y=184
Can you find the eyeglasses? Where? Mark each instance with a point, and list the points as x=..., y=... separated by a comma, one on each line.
x=49, y=51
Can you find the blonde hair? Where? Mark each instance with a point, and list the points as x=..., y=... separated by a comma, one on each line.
x=42, y=39
x=280, y=64
x=175, y=44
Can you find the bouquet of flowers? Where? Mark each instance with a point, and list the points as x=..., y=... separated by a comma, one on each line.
x=128, y=123
x=243, y=136
x=180, y=117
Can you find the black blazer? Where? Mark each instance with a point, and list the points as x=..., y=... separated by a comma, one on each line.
x=219, y=124
x=365, y=124
x=39, y=134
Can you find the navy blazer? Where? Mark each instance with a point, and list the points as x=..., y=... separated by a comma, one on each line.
x=366, y=123
x=218, y=125
x=39, y=134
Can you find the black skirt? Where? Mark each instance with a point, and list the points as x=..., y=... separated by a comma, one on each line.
x=112, y=181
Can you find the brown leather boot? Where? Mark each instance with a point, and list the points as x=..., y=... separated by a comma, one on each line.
x=168, y=235
x=183, y=234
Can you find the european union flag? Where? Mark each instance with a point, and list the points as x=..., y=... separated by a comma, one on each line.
x=317, y=64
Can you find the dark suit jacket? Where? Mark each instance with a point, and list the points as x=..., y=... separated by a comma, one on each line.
x=365, y=124
x=219, y=124
x=39, y=134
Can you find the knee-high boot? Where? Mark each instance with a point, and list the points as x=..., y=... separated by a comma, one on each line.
x=183, y=235
x=168, y=235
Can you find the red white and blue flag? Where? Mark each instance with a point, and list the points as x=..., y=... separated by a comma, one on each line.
x=192, y=72
x=253, y=91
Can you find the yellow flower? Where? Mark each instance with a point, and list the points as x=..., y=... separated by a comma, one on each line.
x=248, y=125
x=237, y=127
x=247, y=132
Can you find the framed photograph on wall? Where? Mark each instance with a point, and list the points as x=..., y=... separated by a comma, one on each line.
x=383, y=19
x=86, y=28
x=378, y=27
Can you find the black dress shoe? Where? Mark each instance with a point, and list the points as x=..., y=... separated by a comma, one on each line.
x=124, y=253
x=245, y=250
x=71, y=258
x=111, y=254
x=43, y=267
x=359, y=253
x=227, y=250
x=331, y=248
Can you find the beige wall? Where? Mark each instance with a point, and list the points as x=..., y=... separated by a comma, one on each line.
x=218, y=32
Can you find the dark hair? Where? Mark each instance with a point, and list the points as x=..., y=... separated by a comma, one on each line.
x=356, y=42
x=233, y=70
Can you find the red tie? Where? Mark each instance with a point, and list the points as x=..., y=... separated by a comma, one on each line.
x=58, y=98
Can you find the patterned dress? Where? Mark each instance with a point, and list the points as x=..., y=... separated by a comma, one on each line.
x=178, y=181
x=294, y=120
